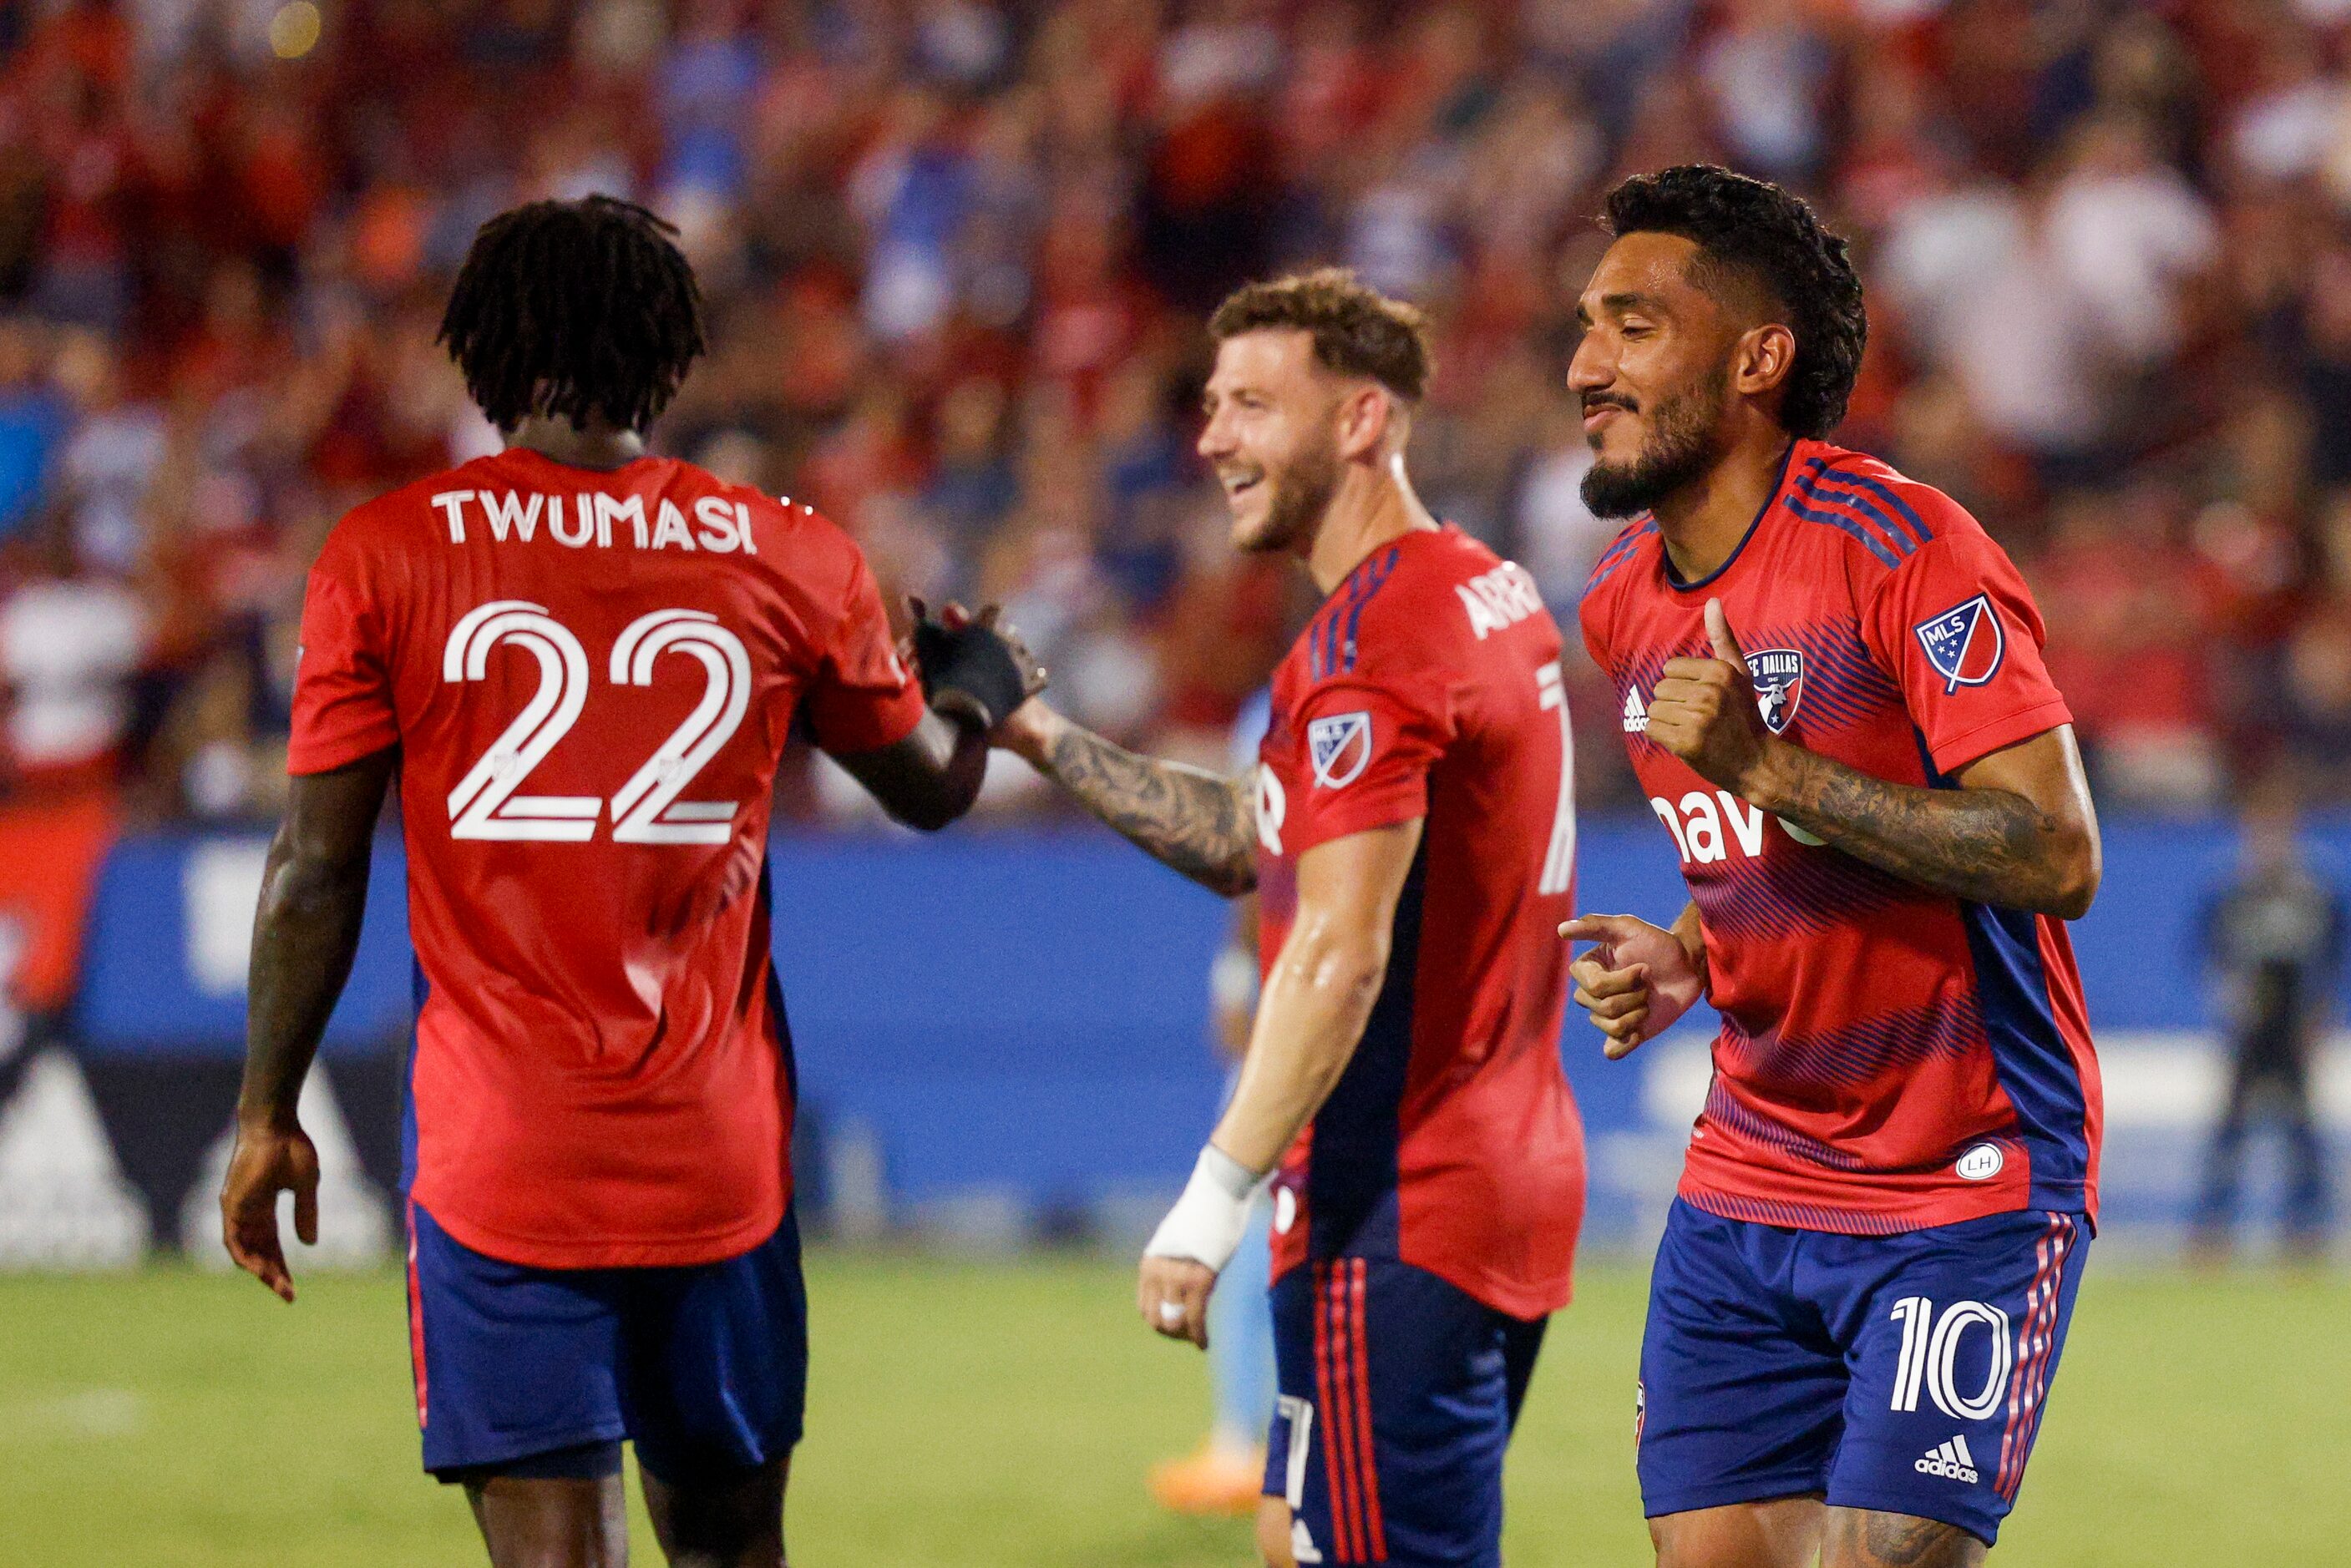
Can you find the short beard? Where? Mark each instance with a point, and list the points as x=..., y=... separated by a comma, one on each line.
x=1300, y=494
x=1685, y=440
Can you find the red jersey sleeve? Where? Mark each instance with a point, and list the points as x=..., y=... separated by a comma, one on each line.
x=342, y=678
x=1365, y=748
x=862, y=697
x=1956, y=626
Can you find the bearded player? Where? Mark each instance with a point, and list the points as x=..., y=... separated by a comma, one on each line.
x=581, y=662
x=1410, y=829
x=1833, y=692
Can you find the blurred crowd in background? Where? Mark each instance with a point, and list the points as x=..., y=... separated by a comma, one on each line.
x=957, y=255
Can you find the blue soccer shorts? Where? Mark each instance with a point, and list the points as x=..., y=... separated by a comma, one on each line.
x=525, y=1371
x=1398, y=1393
x=1905, y=1373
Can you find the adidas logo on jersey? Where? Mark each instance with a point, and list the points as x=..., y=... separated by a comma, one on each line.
x=1636, y=714
x=1950, y=1460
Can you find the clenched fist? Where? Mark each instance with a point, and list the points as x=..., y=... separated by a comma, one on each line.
x=1704, y=712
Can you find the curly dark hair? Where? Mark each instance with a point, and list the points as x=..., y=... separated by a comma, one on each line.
x=1753, y=234
x=1357, y=330
x=574, y=309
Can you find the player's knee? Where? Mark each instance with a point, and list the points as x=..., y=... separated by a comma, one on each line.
x=1864, y=1538
x=1273, y=1532
x=1678, y=1547
x=1781, y=1533
x=736, y=1524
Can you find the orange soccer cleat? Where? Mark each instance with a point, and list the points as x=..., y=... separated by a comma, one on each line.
x=1213, y=1479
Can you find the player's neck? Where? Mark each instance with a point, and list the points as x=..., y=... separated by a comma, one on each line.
x=1704, y=521
x=599, y=445
x=1373, y=506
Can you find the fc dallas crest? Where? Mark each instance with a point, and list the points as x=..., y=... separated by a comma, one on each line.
x=1779, y=675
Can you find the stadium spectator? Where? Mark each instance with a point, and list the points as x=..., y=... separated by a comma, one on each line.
x=951, y=254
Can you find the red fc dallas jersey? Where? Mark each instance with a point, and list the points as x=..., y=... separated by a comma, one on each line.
x=1890, y=1058
x=1428, y=686
x=589, y=676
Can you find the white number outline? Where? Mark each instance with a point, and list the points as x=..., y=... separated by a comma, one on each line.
x=647, y=810
x=1558, y=856
x=1930, y=1356
x=484, y=805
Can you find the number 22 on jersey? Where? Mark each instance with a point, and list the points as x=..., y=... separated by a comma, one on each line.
x=647, y=809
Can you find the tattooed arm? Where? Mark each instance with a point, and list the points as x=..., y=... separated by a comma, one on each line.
x=2018, y=832
x=1187, y=818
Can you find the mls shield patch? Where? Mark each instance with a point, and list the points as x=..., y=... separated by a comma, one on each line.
x=1964, y=643
x=1778, y=674
x=1341, y=747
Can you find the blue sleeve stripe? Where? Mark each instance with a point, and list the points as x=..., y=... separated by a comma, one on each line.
x=1822, y=471
x=1829, y=495
x=1370, y=584
x=1623, y=543
x=1331, y=638
x=1904, y=537
x=1616, y=555
x=1849, y=525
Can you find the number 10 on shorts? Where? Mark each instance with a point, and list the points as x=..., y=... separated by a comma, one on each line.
x=1930, y=1353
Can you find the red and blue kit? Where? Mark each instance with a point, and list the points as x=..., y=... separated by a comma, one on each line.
x=1426, y=1220
x=1891, y=1060
x=589, y=676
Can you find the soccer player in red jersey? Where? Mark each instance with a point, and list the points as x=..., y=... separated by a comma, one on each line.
x=580, y=661
x=1411, y=832
x=1832, y=689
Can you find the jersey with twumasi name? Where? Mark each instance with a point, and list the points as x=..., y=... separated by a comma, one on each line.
x=1428, y=686
x=1890, y=1058
x=590, y=676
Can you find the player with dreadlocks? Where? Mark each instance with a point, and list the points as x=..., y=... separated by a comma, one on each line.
x=582, y=660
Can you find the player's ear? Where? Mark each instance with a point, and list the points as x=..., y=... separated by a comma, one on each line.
x=1365, y=417
x=1762, y=361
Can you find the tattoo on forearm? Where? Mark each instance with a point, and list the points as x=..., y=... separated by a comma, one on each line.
x=1986, y=846
x=1184, y=817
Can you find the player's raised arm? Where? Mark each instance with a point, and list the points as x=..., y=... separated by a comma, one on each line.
x=313, y=893
x=2020, y=830
x=1201, y=823
x=931, y=778
x=1318, y=998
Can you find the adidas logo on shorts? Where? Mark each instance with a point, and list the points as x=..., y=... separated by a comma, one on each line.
x=1951, y=1461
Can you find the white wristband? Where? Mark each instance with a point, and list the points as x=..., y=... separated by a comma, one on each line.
x=1206, y=1223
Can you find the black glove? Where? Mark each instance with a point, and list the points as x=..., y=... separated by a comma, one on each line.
x=973, y=667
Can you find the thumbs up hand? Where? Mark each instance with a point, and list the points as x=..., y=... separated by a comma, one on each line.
x=1704, y=712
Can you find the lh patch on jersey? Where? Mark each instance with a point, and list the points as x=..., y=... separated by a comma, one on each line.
x=1964, y=643
x=1341, y=747
x=1779, y=675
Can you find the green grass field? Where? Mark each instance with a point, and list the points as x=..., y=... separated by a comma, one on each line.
x=970, y=1414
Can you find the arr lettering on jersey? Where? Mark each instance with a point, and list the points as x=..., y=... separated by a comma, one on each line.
x=587, y=519
x=1499, y=599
